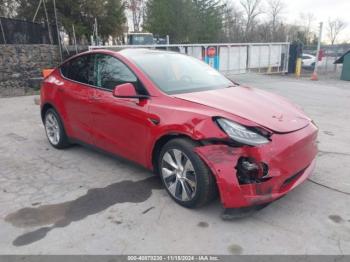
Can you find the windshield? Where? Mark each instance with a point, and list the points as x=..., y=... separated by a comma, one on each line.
x=176, y=73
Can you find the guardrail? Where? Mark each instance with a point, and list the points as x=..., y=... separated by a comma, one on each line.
x=230, y=58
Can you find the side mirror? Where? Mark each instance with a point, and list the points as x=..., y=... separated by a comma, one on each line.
x=127, y=90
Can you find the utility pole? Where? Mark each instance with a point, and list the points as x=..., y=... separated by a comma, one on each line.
x=75, y=40
x=97, y=42
x=48, y=23
x=37, y=10
x=2, y=31
x=58, y=31
x=314, y=74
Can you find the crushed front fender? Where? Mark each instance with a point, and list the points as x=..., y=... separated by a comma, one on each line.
x=290, y=159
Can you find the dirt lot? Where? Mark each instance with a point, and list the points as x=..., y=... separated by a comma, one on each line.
x=79, y=201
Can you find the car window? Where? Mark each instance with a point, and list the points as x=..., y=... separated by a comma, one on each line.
x=79, y=69
x=110, y=72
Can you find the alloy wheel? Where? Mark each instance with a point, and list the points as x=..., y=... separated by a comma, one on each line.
x=52, y=128
x=179, y=175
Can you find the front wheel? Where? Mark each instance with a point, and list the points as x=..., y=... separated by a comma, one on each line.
x=185, y=176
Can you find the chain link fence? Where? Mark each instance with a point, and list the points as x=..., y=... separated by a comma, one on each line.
x=13, y=31
x=329, y=54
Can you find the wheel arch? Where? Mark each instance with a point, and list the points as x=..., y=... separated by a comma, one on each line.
x=48, y=106
x=160, y=142
x=44, y=109
x=163, y=140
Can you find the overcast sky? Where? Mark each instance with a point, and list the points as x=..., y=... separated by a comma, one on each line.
x=322, y=10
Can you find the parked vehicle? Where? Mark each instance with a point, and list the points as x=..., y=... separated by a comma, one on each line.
x=308, y=60
x=139, y=39
x=175, y=115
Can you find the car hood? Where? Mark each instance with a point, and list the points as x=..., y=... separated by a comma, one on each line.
x=263, y=108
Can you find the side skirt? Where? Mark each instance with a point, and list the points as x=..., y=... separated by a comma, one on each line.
x=106, y=153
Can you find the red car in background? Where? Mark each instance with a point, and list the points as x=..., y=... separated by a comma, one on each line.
x=173, y=114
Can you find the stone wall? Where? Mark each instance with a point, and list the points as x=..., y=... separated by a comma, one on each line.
x=20, y=65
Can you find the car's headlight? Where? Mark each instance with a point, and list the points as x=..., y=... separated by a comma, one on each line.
x=241, y=133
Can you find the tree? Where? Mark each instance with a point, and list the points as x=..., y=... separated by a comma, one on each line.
x=252, y=9
x=185, y=20
x=275, y=8
x=169, y=18
x=307, y=21
x=137, y=9
x=335, y=27
x=8, y=8
x=110, y=17
x=81, y=14
x=232, y=23
x=208, y=22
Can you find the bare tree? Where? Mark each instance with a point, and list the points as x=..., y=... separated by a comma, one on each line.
x=275, y=8
x=335, y=27
x=232, y=23
x=307, y=20
x=252, y=9
x=137, y=9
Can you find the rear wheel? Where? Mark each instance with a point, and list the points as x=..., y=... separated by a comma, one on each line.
x=54, y=130
x=185, y=176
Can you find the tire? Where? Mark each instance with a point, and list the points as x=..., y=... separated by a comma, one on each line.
x=191, y=186
x=54, y=130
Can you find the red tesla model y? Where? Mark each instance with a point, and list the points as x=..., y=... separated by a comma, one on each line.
x=171, y=113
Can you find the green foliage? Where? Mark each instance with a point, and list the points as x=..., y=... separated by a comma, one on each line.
x=168, y=18
x=7, y=8
x=208, y=20
x=185, y=20
x=82, y=13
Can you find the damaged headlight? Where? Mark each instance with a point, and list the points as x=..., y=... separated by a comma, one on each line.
x=241, y=133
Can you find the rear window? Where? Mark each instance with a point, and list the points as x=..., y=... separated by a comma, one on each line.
x=79, y=69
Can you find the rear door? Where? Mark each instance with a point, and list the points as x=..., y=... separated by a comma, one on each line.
x=76, y=94
x=120, y=125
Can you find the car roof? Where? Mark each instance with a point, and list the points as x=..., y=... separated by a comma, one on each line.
x=127, y=52
x=138, y=33
x=143, y=51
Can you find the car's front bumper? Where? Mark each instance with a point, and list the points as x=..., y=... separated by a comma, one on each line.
x=290, y=159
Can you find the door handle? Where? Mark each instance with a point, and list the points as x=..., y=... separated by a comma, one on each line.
x=95, y=98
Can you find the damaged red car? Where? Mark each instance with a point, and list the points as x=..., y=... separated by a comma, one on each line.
x=173, y=114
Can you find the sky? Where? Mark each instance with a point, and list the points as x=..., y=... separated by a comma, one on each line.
x=322, y=10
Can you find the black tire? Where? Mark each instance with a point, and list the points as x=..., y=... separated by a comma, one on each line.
x=63, y=141
x=206, y=188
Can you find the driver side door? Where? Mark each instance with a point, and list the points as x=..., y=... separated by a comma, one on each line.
x=120, y=125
